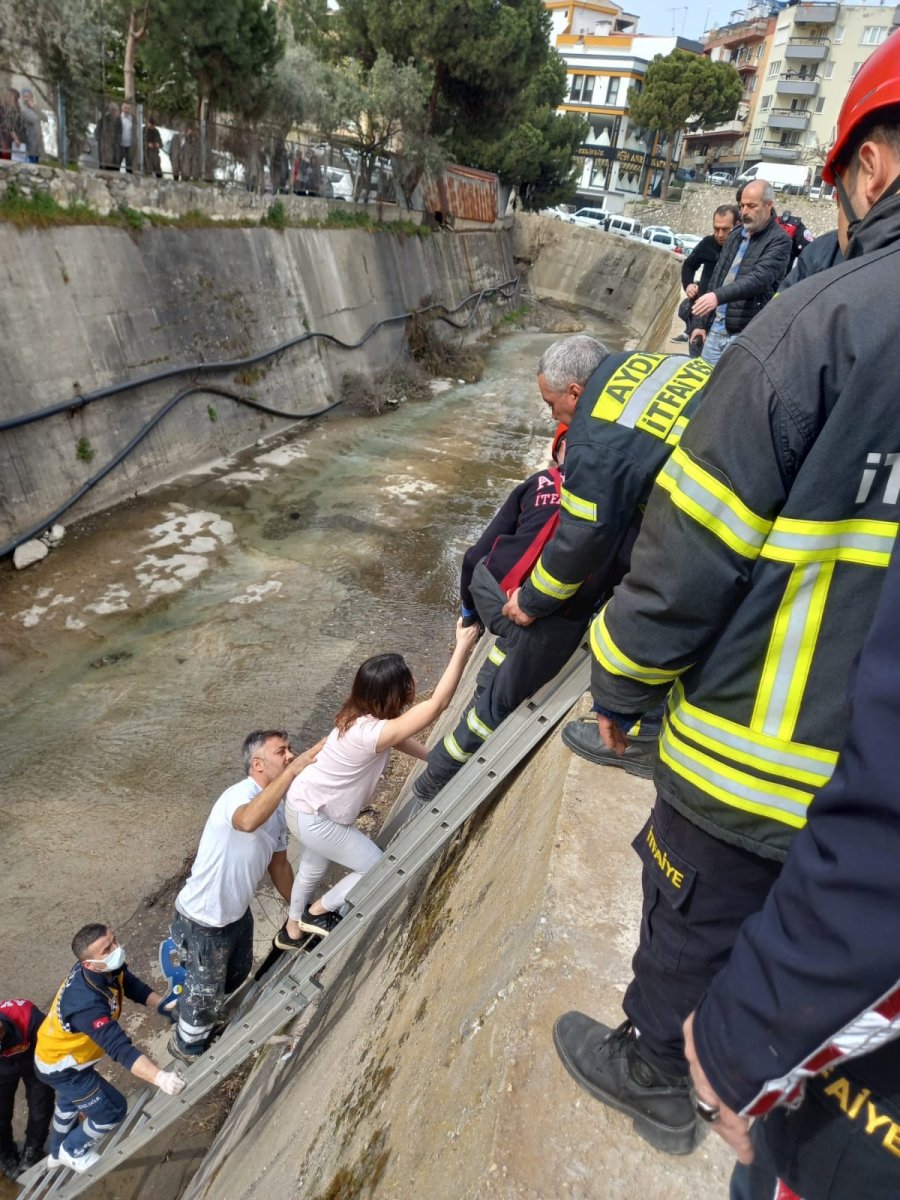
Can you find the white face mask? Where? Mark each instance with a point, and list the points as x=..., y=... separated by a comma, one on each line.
x=113, y=961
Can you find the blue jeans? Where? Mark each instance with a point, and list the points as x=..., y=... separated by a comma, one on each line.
x=87, y=1093
x=715, y=346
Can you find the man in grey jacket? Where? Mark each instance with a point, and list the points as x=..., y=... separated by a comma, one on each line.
x=34, y=138
x=752, y=264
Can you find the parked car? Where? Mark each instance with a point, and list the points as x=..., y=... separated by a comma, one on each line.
x=339, y=184
x=561, y=212
x=648, y=229
x=720, y=179
x=593, y=218
x=689, y=241
x=623, y=226
x=663, y=239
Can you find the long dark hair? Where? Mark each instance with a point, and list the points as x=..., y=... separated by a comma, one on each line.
x=383, y=687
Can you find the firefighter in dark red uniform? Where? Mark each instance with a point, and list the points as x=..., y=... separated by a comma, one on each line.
x=19, y=1023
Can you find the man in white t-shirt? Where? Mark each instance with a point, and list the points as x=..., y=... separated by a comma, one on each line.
x=244, y=837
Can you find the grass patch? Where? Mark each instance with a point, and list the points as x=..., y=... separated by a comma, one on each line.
x=276, y=216
x=84, y=451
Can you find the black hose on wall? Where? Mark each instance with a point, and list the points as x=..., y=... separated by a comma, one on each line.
x=506, y=290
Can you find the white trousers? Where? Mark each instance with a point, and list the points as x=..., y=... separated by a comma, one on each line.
x=324, y=841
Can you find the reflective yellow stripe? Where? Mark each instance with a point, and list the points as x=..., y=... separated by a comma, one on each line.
x=550, y=586
x=612, y=659
x=496, y=655
x=866, y=542
x=798, y=761
x=792, y=644
x=735, y=788
x=664, y=410
x=586, y=509
x=478, y=726
x=713, y=505
x=677, y=430
x=453, y=748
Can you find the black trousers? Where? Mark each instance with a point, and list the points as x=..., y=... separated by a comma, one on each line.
x=842, y=1143
x=523, y=659
x=217, y=961
x=13, y=1071
x=698, y=891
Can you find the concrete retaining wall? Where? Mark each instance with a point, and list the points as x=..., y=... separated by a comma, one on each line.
x=87, y=306
x=615, y=277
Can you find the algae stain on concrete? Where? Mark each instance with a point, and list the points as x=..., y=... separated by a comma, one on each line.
x=364, y=1176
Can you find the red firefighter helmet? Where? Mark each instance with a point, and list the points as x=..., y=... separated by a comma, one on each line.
x=876, y=85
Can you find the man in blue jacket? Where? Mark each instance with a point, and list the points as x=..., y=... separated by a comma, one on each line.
x=83, y=1027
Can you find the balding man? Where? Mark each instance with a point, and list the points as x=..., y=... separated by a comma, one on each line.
x=752, y=264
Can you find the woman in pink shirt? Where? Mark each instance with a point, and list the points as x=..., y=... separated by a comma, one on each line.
x=326, y=798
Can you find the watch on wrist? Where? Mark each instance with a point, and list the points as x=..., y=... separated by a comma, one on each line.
x=706, y=1112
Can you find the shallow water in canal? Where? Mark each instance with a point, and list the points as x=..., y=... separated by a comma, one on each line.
x=138, y=654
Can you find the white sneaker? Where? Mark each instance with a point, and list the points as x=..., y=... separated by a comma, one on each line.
x=75, y=1162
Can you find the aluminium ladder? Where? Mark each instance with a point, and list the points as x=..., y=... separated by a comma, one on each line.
x=291, y=984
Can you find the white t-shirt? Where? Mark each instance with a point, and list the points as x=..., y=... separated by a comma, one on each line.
x=230, y=863
x=345, y=774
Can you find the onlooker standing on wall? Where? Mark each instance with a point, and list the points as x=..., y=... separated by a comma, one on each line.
x=12, y=123
x=126, y=138
x=34, y=137
x=753, y=262
x=152, y=148
x=705, y=255
x=108, y=134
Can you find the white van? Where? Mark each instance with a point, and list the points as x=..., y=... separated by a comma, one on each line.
x=624, y=226
x=784, y=177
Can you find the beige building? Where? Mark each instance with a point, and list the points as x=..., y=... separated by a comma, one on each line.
x=797, y=65
x=605, y=56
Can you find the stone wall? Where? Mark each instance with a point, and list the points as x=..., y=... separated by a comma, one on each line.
x=693, y=213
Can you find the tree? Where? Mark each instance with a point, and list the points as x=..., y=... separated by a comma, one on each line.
x=536, y=154
x=681, y=89
x=382, y=110
x=479, y=55
x=225, y=51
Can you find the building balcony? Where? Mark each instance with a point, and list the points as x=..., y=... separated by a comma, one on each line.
x=792, y=84
x=737, y=35
x=802, y=49
x=816, y=14
x=779, y=152
x=788, y=118
x=745, y=69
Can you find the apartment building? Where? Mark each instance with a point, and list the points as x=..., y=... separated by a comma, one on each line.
x=606, y=56
x=803, y=63
x=745, y=45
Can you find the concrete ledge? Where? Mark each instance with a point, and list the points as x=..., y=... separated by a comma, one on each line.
x=428, y=1068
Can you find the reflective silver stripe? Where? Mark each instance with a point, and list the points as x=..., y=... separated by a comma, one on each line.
x=496, y=655
x=833, y=542
x=815, y=764
x=791, y=649
x=647, y=389
x=733, y=786
x=478, y=726
x=453, y=748
x=711, y=504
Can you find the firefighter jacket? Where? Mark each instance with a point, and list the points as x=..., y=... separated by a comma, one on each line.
x=815, y=976
x=83, y=1022
x=628, y=419
x=513, y=540
x=762, y=554
x=762, y=269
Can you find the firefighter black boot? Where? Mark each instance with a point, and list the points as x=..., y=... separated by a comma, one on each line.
x=609, y=1064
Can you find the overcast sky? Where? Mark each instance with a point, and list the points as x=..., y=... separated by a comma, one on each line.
x=664, y=17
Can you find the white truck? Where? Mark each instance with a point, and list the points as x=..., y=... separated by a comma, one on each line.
x=784, y=177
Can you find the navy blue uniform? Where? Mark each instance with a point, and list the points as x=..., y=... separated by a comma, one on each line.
x=814, y=977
